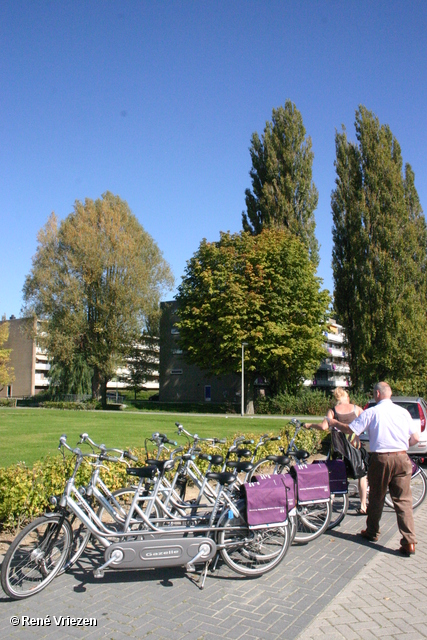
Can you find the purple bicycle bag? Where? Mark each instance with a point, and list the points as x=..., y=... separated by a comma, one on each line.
x=288, y=482
x=338, y=482
x=266, y=501
x=312, y=482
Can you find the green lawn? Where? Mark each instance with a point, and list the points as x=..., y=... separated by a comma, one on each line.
x=29, y=434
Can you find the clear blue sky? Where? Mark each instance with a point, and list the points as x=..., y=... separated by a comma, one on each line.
x=157, y=101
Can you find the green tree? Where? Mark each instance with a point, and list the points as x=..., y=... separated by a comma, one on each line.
x=283, y=193
x=379, y=257
x=95, y=278
x=142, y=363
x=73, y=377
x=261, y=290
x=6, y=371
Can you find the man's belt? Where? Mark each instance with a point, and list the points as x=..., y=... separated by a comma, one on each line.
x=387, y=453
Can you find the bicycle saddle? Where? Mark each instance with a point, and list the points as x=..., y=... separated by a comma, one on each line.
x=282, y=460
x=223, y=477
x=142, y=472
x=240, y=466
x=301, y=454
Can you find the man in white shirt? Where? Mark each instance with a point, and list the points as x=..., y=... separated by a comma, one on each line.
x=391, y=430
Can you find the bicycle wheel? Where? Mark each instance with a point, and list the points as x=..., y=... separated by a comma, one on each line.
x=262, y=467
x=313, y=520
x=36, y=556
x=115, y=517
x=339, y=504
x=418, y=489
x=250, y=552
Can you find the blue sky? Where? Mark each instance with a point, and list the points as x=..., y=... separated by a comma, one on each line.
x=157, y=101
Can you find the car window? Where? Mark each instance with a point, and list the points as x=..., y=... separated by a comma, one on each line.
x=412, y=407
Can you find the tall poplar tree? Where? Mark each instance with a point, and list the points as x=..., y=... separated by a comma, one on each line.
x=379, y=258
x=283, y=193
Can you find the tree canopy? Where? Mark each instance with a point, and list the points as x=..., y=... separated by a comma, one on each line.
x=261, y=290
x=379, y=257
x=96, y=277
x=283, y=193
x=6, y=371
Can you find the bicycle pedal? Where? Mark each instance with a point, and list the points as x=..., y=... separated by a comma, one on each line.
x=98, y=573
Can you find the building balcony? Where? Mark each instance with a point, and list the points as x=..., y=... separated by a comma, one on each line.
x=336, y=338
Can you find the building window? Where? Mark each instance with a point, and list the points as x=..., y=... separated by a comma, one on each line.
x=207, y=393
x=9, y=391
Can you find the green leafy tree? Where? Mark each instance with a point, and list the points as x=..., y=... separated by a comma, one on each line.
x=379, y=258
x=142, y=363
x=6, y=371
x=73, y=377
x=261, y=290
x=95, y=278
x=283, y=193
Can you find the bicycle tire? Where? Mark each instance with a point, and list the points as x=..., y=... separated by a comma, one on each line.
x=418, y=489
x=36, y=556
x=340, y=503
x=262, y=467
x=313, y=520
x=251, y=552
x=116, y=522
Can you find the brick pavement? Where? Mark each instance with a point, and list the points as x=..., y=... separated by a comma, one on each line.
x=386, y=599
x=304, y=595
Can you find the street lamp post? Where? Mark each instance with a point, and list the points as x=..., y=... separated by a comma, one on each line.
x=244, y=344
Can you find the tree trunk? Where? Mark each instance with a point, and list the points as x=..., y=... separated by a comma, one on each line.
x=96, y=384
x=104, y=392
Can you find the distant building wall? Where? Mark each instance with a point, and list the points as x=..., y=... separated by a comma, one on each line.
x=22, y=359
x=181, y=381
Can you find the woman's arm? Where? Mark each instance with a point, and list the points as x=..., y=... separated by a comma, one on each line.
x=321, y=426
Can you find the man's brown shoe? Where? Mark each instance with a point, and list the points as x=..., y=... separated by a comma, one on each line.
x=407, y=549
x=368, y=536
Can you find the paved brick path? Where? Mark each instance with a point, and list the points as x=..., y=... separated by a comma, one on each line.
x=387, y=599
x=334, y=587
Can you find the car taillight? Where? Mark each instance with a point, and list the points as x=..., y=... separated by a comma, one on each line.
x=422, y=416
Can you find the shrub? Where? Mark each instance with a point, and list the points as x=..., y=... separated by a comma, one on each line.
x=74, y=406
x=307, y=402
x=7, y=402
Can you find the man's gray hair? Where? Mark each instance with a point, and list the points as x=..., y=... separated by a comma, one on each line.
x=383, y=389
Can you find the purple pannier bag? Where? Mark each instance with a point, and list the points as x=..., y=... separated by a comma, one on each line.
x=338, y=482
x=312, y=482
x=414, y=467
x=289, y=483
x=266, y=501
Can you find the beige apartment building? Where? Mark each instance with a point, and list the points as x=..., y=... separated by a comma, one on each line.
x=29, y=361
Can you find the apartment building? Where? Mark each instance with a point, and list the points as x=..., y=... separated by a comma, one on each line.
x=31, y=364
x=181, y=381
x=334, y=370
x=29, y=361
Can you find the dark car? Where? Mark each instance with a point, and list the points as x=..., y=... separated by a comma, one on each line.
x=417, y=407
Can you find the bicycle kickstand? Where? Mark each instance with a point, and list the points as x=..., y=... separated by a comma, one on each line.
x=201, y=581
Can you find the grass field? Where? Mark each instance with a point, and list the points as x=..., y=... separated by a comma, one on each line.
x=30, y=434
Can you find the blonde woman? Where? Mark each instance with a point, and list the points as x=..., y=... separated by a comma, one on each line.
x=346, y=412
